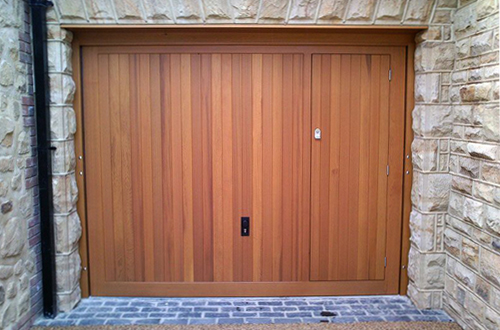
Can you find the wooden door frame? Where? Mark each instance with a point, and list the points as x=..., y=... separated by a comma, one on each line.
x=102, y=35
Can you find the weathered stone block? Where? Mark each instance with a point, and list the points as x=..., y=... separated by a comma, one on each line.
x=481, y=43
x=484, y=151
x=426, y=270
x=461, y=184
x=491, y=319
x=476, y=92
x=71, y=10
x=13, y=237
x=490, y=266
x=361, y=10
x=464, y=21
x=67, y=301
x=65, y=193
x=390, y=10
x=419, y=11
x=427, y=88
x=490, y=172
x=474, y=212
x=245, y=10
x=217, y=11
x=68, y=269
x=422, y=231
x=128, y=10
x=484, y=192
x=431, y=56
x=432, y=121
x=63, y=160
x=158, y=10
x=62, y=123
x=62, y=89
x=424, y=299
x=273, y=10
x=430, y=192
x=452, y=242
x=489, y=117
x=100, y=10
x=492, y=215
x=485, y=8
x=303, y=10
x=68, y=231
x=425, y=154
x=187, y=10
x=332, y=11
x=470, y=253
x=474, y=306
x=462, y=114
x=469, y=167
x=456, y=204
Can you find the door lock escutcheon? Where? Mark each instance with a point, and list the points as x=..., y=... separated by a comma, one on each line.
x=317, y=134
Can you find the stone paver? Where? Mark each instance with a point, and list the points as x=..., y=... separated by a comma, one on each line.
x=122, y=311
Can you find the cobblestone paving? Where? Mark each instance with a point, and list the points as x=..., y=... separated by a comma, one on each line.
x=120, y=311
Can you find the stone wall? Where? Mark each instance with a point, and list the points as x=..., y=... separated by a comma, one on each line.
x=455, y=122
x=472, y=234
x=20, y=264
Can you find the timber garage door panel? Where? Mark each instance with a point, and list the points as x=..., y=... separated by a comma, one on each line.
x=179, y=148
x=182, y=142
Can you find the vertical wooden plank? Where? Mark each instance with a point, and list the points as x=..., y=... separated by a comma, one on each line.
x=106, y=186
x=227, y=172
x=316, y=169
x=287, y=158
x=236, y=128
x=257, y=144
x=126, y=178
x=146, y=158
x=277, y=156
x=197, y=185
x=217, y=165
x=373, y=184
x=364, y=169
x=247, y=165
x=157, y=164
x=206, y=118
x=187, y=166
x=177, y=168
x=267, y=175
x=334, y=164
x=116, y=165
x=167, y=167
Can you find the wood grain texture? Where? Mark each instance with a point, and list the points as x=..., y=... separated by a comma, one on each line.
x=350, y=103
x=181, y=158
x=183, y=141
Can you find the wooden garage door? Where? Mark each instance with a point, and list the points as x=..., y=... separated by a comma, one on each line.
x=182, y=143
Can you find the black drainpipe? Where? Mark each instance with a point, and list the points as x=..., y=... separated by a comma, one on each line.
x=42, y=115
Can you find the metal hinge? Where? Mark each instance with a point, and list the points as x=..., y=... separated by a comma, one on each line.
x=385, y=262
x=390, y=74
x=387, y=170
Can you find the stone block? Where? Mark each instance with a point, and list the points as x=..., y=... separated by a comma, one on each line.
x=490, y=172
x=432, y=121
x=427, y=88
x=483, y=289
x=462, y=114
x=489, y=117
x=65, y=193
x=217, y=11
x=470, y=253
x=424, y=154
x=245, y=10
x=67, y=301
x=360, y=10
x=158, y=11
x=491, y=319
x=62, y=88
x=490, y=266
x=476, y=92
x=13, y=237
x=469, y=167
x=303, y=10
x=484, y=151
x=452, y=242
x=422, y=230
x=485, y=192
x=426, y=270
x=431, y=56
x=390, y=10
x=474, y=212
x=460, y=226
x=68, y=231
x=465, y=21
x=485, y=8
x=62, y=123
x=332, y=11
x=463, y=274
x=424, y=299
x=418, y=11
x=187, y=10
x=492, y=215
x=273, y=10
x=461, y=184
x=100, y=10
x=430, y=192
x=68, y=269
x=474, y=306
x=63, y=157
x=481, y=43
x=128, y=10
x=456, y=205
x=71, y=10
